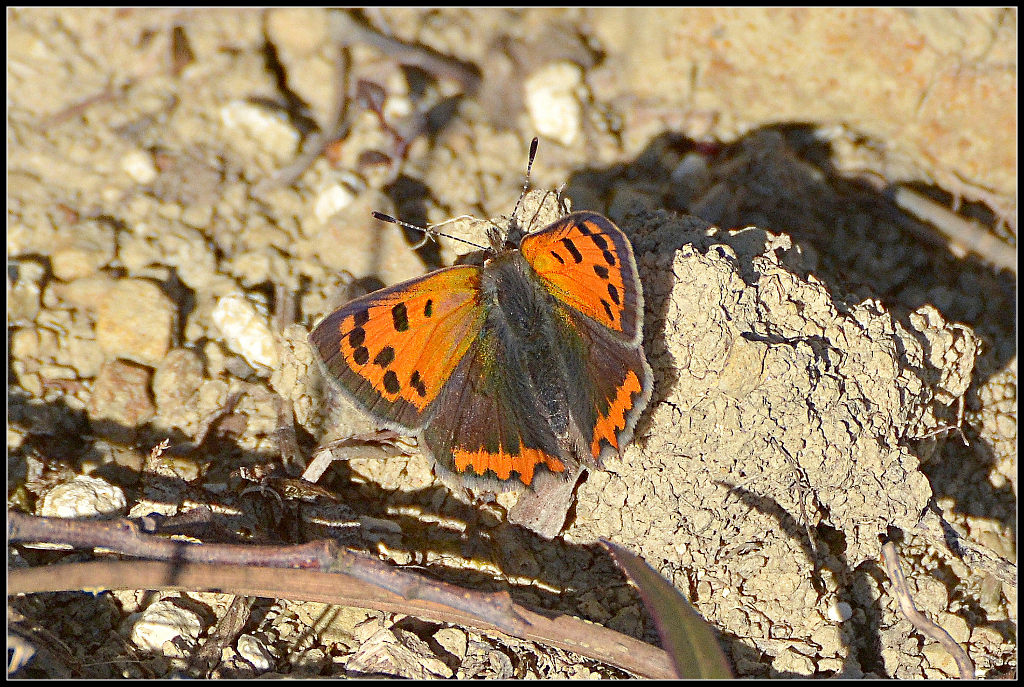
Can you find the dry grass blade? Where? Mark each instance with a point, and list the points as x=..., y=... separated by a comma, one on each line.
x=688, y=639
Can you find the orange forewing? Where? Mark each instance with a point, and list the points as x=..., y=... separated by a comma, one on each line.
x=587, y=263
x=395, y=349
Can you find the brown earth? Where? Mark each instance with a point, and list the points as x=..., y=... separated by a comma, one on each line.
x=807, y=370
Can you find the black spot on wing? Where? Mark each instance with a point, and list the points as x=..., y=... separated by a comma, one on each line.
x=573, y=250
x=385, y=357
x=400, y=317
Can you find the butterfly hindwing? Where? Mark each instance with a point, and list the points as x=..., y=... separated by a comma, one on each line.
x=587, y=263
x=612, y=390
x=394, y=350
x=489, y=430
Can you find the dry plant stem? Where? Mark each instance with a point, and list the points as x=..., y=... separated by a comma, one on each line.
x=108, y=94
x=376, y=445
x=346, y=29
x=564, y=632
x=336, y=128
x=943, y=535
x=287, y=441
x=925, y=626
x=284, y=307
x=222, y=635
x=959, y=231
x=124, y=537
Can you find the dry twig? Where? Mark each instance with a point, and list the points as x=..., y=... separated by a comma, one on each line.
x=923, y=624
x=961, y=232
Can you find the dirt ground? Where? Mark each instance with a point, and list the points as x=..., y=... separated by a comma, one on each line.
x=185, y=200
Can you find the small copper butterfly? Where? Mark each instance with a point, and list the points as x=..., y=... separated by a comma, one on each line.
x=531, y=360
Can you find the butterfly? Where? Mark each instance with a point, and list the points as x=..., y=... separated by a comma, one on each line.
x=532, y=360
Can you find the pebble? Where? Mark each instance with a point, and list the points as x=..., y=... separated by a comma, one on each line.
x=23, y=295
x=120, y=396
x=136, y=322
x=139, y=166
x=453, y=640
x=331, y=200
x=165, y=621
x=271, y=132
x=175, y=382
x=254, y=651
x=25, y=343
x=301, y=30
x=940, y=660
x=86, y=293
x=245, y=331
x=789, y=661
x=83, y=497
x=82, y=250
x=839, y=611
x=552, y=101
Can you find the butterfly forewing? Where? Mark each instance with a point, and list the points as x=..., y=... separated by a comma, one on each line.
x=393, y=350
x=587, y=263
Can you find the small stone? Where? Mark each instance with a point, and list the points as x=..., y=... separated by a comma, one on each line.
x=120, y=398
x=267, y=130
x=163, y=622
x=954, y=625
x=82, y=250
x=84, y=356
x=86, y=293
x=301, y=30
x=23, y=295
x=382, y=654
x=139, y=166
x=453, y=640
x=255, y=652
x=331, y=200
x=83, y=497
x=789, y=661
x=136, y=322
x=25, y=343
x=175, y=382
x=839, y=612
x=553, y=103
x=245, y=331
x=941, y=660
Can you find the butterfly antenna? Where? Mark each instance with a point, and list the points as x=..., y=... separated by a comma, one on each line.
x=428, y=233
x=526, y=183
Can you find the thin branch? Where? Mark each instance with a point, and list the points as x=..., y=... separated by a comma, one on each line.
x=564, y=632
x=347, y=29
x=964, y=233
x=924, y=625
